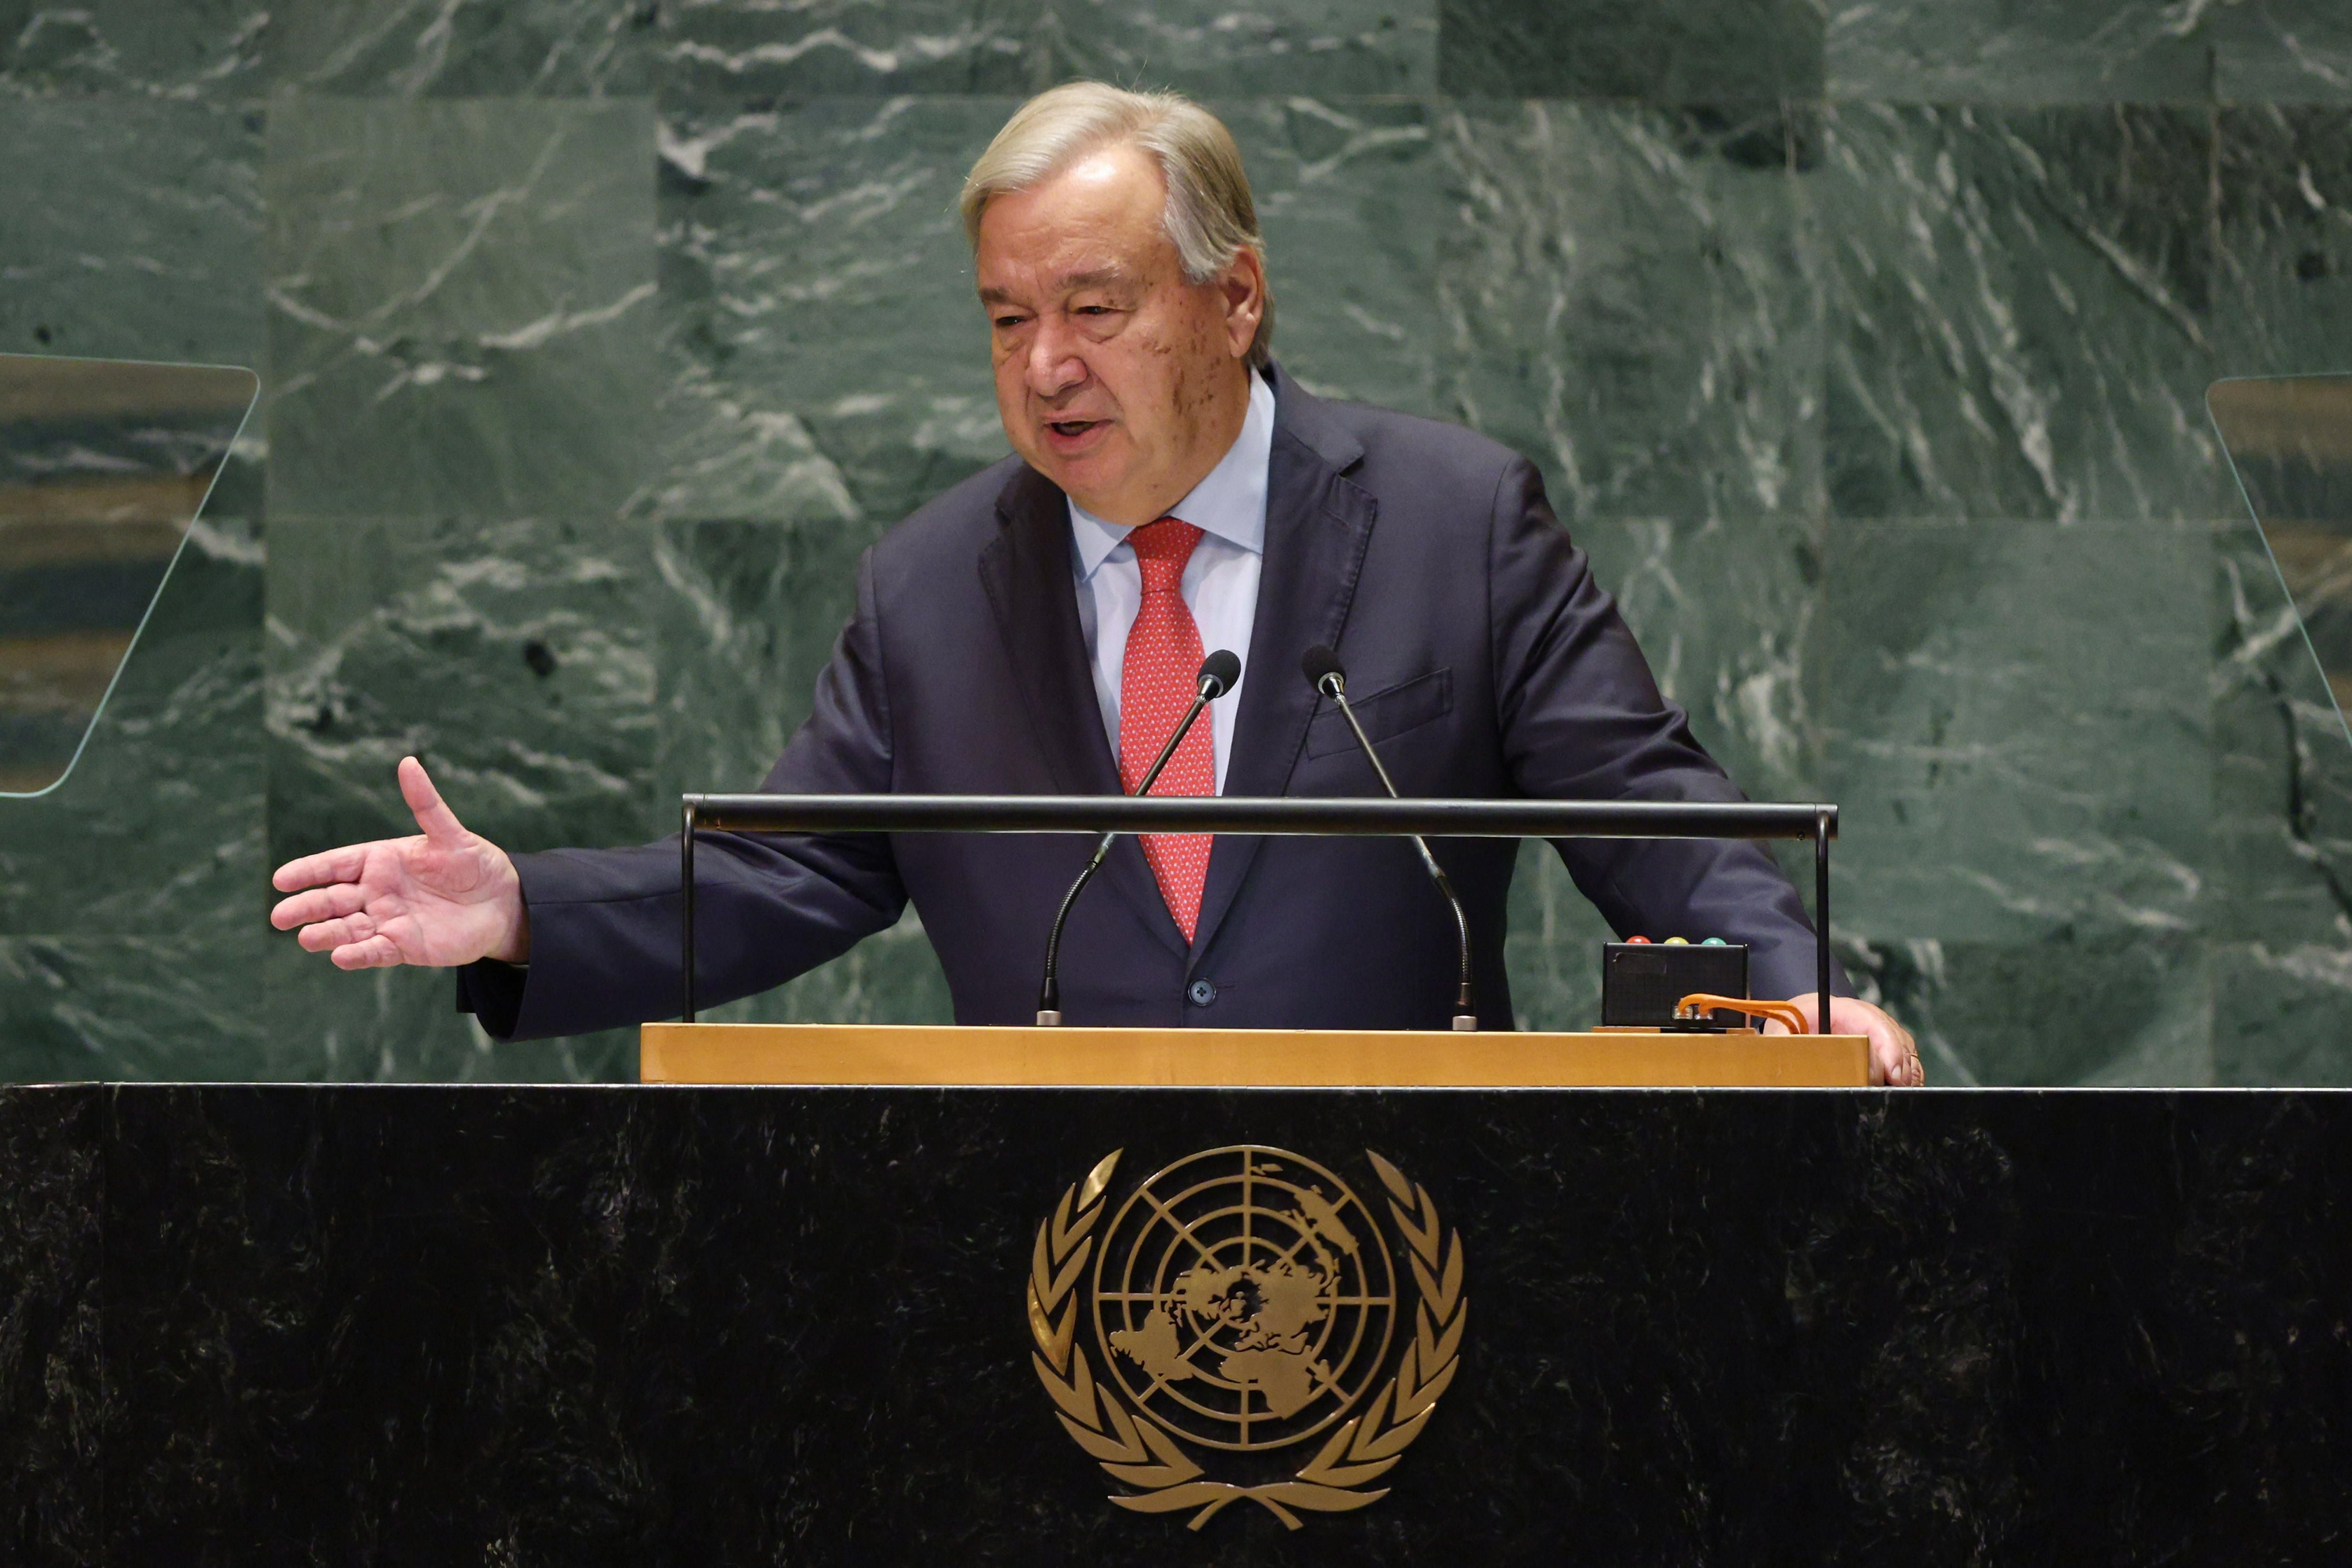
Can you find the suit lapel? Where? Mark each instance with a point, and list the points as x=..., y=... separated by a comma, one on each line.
x=1318, y=525
x=1025, y=571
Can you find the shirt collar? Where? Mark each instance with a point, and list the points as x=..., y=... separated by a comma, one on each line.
x=1228, y=503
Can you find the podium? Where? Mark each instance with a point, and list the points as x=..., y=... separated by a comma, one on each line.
x=879, y=1054
x=677, y=1325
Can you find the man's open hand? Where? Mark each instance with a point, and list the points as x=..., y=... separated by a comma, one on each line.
x=445, y=897
x=1894, y=1057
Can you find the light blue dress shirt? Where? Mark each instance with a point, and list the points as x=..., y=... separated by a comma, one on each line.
x=1220, y=583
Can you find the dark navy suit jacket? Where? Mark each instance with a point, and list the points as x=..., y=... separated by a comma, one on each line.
x=1482, y=657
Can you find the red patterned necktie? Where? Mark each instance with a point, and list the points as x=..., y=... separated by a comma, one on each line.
x=1157, y=682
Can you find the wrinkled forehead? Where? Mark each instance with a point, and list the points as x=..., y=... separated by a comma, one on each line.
x=1094, y=224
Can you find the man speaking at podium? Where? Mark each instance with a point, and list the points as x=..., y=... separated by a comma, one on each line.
x=1037, y=629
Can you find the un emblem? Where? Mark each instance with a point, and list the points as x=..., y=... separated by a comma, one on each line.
x=1245, y=1300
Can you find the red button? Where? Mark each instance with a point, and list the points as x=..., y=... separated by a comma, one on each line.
x=1644, y=939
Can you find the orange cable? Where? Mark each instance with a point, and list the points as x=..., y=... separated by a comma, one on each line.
x=1787, y=1013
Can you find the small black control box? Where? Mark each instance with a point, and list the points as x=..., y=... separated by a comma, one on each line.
x=1642, y=980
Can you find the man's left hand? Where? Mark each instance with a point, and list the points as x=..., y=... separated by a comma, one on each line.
x=1894, y=1057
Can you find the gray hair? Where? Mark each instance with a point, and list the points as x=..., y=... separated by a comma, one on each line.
x=1209, y=216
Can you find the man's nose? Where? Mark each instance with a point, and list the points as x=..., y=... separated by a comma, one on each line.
x=1055, y=366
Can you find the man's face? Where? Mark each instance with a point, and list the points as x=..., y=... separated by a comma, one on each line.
x=1116, y=378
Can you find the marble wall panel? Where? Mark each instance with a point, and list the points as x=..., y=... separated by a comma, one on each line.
x=515, y=659
x=2017, y=725
x=459, y=294
x=2280, y=51
x=511, y=657
x=2102, y=51
x=320, y=1023
x=132, y=50
x=1624, y=292
x=1985, y=51
x=1216, y=51
x=2283, y=231
x=744, y=50
x=814, y=280
x=432, y=48
x=1729, y=611
x=1670, y=51
x=2280, y=1013
x=134, y=1008
x=1352, y=196
x=53, y=1395
x=2078, y=1006
x=2017, y=722
x=136, y=234
x=727, y=452
x=751, y=612
x=2022, y=305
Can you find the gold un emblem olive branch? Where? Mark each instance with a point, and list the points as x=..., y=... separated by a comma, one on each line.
x=1247, y=1299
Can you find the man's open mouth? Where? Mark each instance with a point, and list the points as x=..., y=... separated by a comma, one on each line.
x=1069, y=429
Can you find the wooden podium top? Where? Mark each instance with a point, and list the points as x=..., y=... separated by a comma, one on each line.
x=1240, y=1058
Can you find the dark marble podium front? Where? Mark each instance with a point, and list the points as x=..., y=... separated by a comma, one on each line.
x=523, y=1326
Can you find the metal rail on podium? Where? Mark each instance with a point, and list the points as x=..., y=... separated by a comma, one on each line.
x=692, y=1052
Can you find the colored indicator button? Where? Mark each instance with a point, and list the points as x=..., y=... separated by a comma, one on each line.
x=1642, y=940
x=1714, y=942
x=1677, y=942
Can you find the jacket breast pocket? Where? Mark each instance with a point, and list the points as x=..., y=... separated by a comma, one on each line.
x=1391, y=710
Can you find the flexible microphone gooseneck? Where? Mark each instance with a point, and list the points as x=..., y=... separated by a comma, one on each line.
x=1323, y=671
x=1218, y=673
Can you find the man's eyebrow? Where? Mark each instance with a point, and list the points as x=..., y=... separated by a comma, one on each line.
x=1070, y=283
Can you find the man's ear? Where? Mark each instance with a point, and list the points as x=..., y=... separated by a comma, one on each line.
x=1241, y=289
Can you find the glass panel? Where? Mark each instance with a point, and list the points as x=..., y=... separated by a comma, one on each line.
x=104, y=464
x=2290, y=439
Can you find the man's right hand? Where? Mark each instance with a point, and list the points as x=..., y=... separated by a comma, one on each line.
x=445, y=897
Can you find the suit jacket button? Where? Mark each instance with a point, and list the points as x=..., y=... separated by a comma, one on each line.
x=1201, y=992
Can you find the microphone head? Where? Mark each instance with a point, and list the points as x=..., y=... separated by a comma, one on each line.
x=1319, y=665
x=1218, y=673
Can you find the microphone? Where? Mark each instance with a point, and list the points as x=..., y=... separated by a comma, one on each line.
x=1323, y=671
x=1218, y=673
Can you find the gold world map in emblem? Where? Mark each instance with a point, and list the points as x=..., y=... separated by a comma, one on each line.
x=1244, y=1298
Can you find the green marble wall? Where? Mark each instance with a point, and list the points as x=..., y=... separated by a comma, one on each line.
x=1865, y=352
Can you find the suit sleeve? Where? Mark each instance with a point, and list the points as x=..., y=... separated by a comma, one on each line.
x=604, y=923
x=1582, y=719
